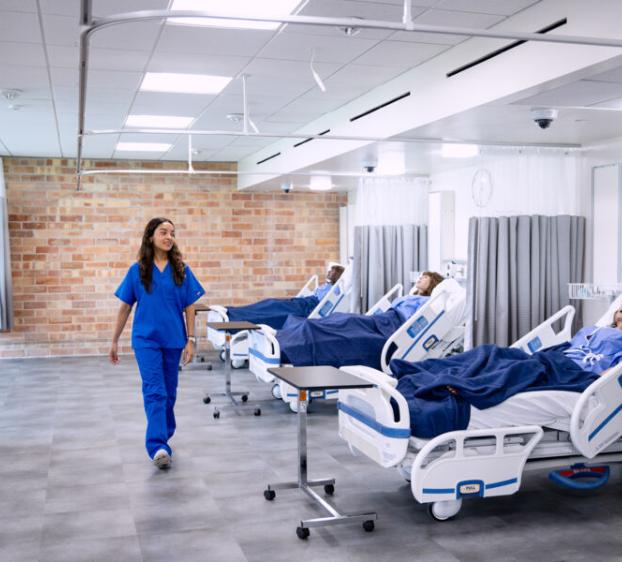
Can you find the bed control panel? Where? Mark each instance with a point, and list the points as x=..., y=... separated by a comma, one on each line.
x=534, y=344
x=417, y=326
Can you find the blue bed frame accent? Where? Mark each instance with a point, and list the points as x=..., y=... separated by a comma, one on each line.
x=261, y=356
x=393, y=432
x=455, y=491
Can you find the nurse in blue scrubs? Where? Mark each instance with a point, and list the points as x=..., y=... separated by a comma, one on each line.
x=163, y=288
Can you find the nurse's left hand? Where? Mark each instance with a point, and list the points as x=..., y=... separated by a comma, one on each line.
x=186, y=356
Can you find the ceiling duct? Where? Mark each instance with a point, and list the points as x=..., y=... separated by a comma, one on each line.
x=501, y=50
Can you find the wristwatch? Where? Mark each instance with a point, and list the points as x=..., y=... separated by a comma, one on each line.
x=193, y=339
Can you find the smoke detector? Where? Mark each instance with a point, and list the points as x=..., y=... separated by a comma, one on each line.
x=235, y=117
x=11, y=94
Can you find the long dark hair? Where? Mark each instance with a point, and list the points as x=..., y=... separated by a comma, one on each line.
x=146, y=255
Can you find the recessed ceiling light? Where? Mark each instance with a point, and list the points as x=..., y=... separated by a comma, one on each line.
x=143, y=146
x=183, y=83
x=459, y=150
x=266, y=8
x=320, y=183
x=163, y=121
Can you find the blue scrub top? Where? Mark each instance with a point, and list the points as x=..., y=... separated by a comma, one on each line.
x=322, y=290
x=407, y=305
x=159, y=320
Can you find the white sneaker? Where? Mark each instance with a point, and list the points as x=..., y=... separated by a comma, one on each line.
x=162, y=459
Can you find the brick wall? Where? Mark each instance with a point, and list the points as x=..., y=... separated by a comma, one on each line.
x=70, y=250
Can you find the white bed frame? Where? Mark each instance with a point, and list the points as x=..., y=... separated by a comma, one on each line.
x=239, y=345
x=433, y=331
x=482, y=462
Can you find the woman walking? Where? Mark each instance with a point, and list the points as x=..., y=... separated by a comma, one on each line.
x=164, y=288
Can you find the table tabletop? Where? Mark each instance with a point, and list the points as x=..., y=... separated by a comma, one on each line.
x=318, y=378
x=231, y=326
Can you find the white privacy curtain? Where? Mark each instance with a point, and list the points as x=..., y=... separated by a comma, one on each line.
x=6, y=304
x=384, y=256
x=519, y=268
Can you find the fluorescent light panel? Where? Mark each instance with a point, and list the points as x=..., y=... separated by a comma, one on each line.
x=158, y=121
x=459, y=150
x=143, y=146
x=267, y=8
x=184, y=83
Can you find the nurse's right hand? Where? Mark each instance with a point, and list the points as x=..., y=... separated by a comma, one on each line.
x=113, y=355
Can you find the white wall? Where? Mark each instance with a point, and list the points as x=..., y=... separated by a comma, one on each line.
x=523, y=183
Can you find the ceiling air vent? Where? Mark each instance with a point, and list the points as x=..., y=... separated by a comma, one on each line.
x=496, y=53
x=382, y=105
x=268, y=158
x=309, y=140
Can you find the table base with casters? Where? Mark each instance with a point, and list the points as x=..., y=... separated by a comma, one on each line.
x=228, y=328
x=305, y=380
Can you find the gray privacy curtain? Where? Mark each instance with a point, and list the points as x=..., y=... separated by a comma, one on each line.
x=384, y=256
x=6, y=297
x=518, y=271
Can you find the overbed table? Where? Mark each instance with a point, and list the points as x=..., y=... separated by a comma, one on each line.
x=306, y=380
x=228, y=328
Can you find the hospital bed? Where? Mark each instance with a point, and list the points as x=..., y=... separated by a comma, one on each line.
x=239, y=341
x=433, y=331
x=529, y=431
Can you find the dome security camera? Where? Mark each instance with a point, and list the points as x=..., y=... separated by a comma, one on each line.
x=369, y=164
x=286, y=187
x=544, y=117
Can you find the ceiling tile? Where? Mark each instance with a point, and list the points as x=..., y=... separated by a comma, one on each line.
x=26, y=54
x=25, y=78
x=133, y=36
x=195, y=62
x=504, y=8
x=100, y=59
x=614, y=75
x=458, y=19
x=22, y=27
x=300, y=47
x=61, y=30
x=100, y=7
x=18, y=6
x=169, y=104
x=400, y=54
x=210, y=42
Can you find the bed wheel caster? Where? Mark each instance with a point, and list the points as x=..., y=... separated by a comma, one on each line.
x=269, y=494
x=368, y=526
x=206, y=400
x=202, y=359
x=209, y=367
x=330, y=490
x=222, y=355
x=276, y=391
x=444, y=511
x=244, y=398
x=257, y=412
x=302, y=532
x=216, y=414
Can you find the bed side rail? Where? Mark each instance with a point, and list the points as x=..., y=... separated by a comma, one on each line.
x=596, y=420
x=336, y=300
x=309, y=287
x=544, y=335
x=216, y=313
x=366, y=419
x=264, y=352
x=432, y=331
x=477, y=462
x=384, y=303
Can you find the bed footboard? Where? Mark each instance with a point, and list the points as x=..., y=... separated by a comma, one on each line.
x=366, y=419
x=264, y=352
x=478, y=462
x=596, y=420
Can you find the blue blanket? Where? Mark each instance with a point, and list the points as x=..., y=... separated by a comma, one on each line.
x=482, y=377
x=273, y=312
x=337, y=340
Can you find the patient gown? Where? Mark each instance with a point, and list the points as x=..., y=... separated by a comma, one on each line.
x=596, y=349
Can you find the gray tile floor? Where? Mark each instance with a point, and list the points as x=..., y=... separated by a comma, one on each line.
x=75, y=484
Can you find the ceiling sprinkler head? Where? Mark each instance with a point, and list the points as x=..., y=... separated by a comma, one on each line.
x=235, y=117
x=351, y=30
x=15, y=106
x=11, y=94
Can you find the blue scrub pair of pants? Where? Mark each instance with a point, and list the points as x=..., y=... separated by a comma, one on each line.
x=159, y=372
